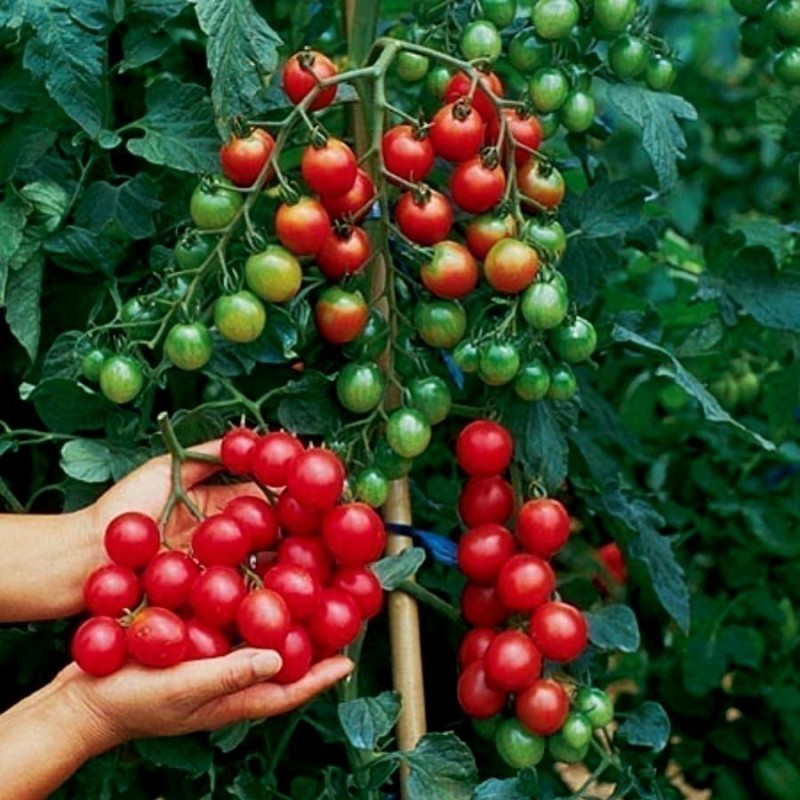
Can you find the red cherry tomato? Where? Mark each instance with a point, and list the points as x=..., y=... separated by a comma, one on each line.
x=614, y=561
x=257, y=518
x=353, y=533
x=316, y=478
x=337, y=620
x=474, y=645
x=485, y=500
x=216, y=595
x=456, y=131
x=512, y=661
x=460, y=85
x=452, y=271
x=263, y=619
x=363, y=586
x=484, y=448
x=523, y=129
x=132, y=539
x=244, y=158
x=110, y=590
x=219, y=540
x=98, y=646
x=271, y=457
x=344, y=253
x=296, y=519
x=236, y=450
x=483, y=551
x=559, y=631
x=475, y=696
x=308, y=552
x=485, y=231
x=424, y=217
x=157, y=637
x=341, y=316
x=297, y=586
x=477, y=186
x=511, y=266
x=543, y=185
x=481, y=606
x=407, y=153
x=302, y=227
x=355, y=202
x=543, y=526
x=543, y=707
x=169, y=578
x=297, y=654
x=329, y=169
x=301, y=74
x=205, y=641
x=525, y=582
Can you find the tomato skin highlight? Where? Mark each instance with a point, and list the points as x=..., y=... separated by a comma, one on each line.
x=451, y=273
x=157, y=638
x=484, y=448
x=543, y=526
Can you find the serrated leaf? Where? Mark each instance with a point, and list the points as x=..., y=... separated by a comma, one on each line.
x=127, y=209
x=62, y=360
x=141, y=46
x=49, y=200
x=587, y=263
x=657, y=114
x=366, y=720
x=22, y=299
x=85, y=251
x=157, y=12
x=182, y=753
x=710, y=406
x=24, y=141
x=781, y=398
x=178, y=128
x=441, y=767
x=18, y=92
x=777, y=118
x=67, y=406
x=13, y=218
x=648, y=727
x=614, y=627
x=241, y=51
x=393, y=570
x=496, y=789
x=608, y=208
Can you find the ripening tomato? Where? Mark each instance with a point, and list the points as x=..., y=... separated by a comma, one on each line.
x=481, y=606
x=315, y=478
x=544, y=305
x=344, y=252
x=353, y=533
x=475, y=696
x=157, y=637
x=302, y=227
x=543, y=707
x=98, y=646
x=360, y=386
x=274, y=274
x=309, y=553
x=457, y=131
x=121, y=379
x=296, y=519
x=511, y=266
x=263, y=619
x=596, y=706
x=337, y=620
x=168, y=580
x=441, y=323
x=407, y=153
x=614, y=561
x=372, y=487
x=341, y=315
x=484, y=448
x=461, y=84
x=543, y=526
x=477, y=184
x=205, y=641
x=542, y=185
x=132, y=539
x=240, y=317
x=522, y=128
x=271, y=457
x=489, y=499
x=362, y=585
x=525, y=582
x=244, y=158
x=257, y=518
x=424, y=216
x=188, y=345
x=559, y=631
x=452, y=271
x=110, y=590
x=484, y=550
x=474, y=645
x=216, y=594
x=512, y=662
x=355, y=202
x=301, y=74
x=408, y=432
x=483, y=232
x=330, y=168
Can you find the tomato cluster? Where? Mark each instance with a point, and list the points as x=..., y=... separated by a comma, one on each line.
x=287, y=571
x=772, y=26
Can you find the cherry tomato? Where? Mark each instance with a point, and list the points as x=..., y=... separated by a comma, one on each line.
x=548, y=88
x=271, y=457
x=301, y=74
x=337, y=621
x=92, y=363
x=362, y=585
x=408, y=432
x=216, y=594
x=475, y=696
x=482, y=552
x=297, y=655
x=543, y=526
x=452, y=271
x=263, y=619
x=344, y=253
x=341, y=315
x=188, y=345
x=274, y=274
x=243, y=159
x=214, y=204
x=257, y=519
x=371, y=487
x=360, y=387
x=330, y=168
x=372, y=341
x=315, y=478
x=407, y=153
x=527, y=52
x=296, y=519
x=596, y=706
x=484, y=448
x=392, y=464
x=436, y=82
x=543, y=707
x=561, y=750
x=121, y=379
x=219, y=540
x=467, y=357
x=499, y=12
x=660, y=72
x=543, y=185
x=548, y=237
x=299, y=589
x=523, y=129
x=614, y=561
x=477, y=185
x=627, y=56
x=485, y=231
x=563, y=384
x=236, y=450
x=353, y=533
x=555, y=19
x=575, y=341
x=424, y=216
x=480, y=39
x=441, y=323
x=486, y=500
x=355, y=202
x=205, y=641
x=98, y=646
x=481, y=606
x=577, y=112
x=308, y=552
x=474, y=645
x=577, y=731
x=612, y=16
x=533, y=381
x=110, y=590
x=512, y=662
x=544, y=305
x=457, y=131
x=411, y=67
x=302, y=227
x=157, y=637
x=461, y=84
x=559, y=631
x=749, y=8
x=499, y=363
x=193, y=250
x=518, y=747
x=525, y=582
x=511, y=266
x=431, y=397
x=168, y=580
x=132, y=539
x=240, y=317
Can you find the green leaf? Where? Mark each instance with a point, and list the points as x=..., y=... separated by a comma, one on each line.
x=648, y=727
x=653, y=550
x=22, y=301
x=157, y=12
x=614, y=627
x=178, y=128
x=496, y=789
x=366, y=720
x=781, y=393
x=50, y=201
x=85, y=251
x=125, y=209
x=310, y=407
x=242, y=54
x=393, y=570
x=657, y=114
x=440, y=766
x=86, y=460
x=13, y=217
x=608, y=208
x=67, y=406
x=231, y=736
x=62, y=360
x=711, y=408
x=764, y=232
x=25, y=140
x=773, y=114
x=177, y=752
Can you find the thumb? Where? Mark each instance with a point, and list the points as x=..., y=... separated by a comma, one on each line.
x=214, y=677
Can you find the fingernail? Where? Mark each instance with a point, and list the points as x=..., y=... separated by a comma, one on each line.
x=266, y=664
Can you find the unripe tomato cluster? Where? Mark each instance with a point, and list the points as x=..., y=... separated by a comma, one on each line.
x=287, y=571
x=772, y=26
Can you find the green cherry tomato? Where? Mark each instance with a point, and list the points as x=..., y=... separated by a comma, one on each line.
x=784, y=16
x=432, y=397
x=121, y=379
x=371, y=487
x=575, y=341
x=749, y=8
x=787, y=66
x=480, y=39
x=550, y=125
x=544, y=305
x=527, y=52
x=627, y=56
x=577, y=730
x=561, y=750
x=517, y=746
x=441, y=323
x=749, y=387
x=240, y=317
x=673, y=398
x=548, y=89
x=371, y=343
x=214, y=204
x=726, y=390
x=577, y=112
x=188, y=345
x=532, y=381
x=563, y=383
x=547, y=237
x=192, y=250
x=611, y=17
x=555, y=19
x=756, y=37
x=390, y=463
x=411, y=67
x=596, y=706
x=140, y=317
x=487, y=728
x=359, y=387
x=274, y=274
x=500, y=13
x=408, y=432
x=92, y=362
x=436, y=82
x=660, y=73
x=499, y=363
